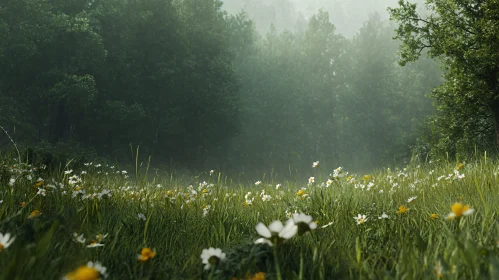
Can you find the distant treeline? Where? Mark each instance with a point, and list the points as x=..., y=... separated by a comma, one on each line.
x=192, y=85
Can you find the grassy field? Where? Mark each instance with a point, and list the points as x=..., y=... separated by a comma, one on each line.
x=95, y=221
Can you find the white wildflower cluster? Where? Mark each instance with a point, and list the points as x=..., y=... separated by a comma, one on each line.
x=338, y=173
x=277, y=232
x=75, y=181
x=450, y=177
x=264, y=196
x=248, y=199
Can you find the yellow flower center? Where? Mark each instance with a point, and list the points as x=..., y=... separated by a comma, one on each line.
x=300, y=192
x=84, y=273
x=1, y=247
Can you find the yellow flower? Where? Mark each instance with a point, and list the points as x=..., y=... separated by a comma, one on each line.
x=433, y=216
x=300, y=193
x=38, y=184
x=349, y=178
x=90, y=271
x=258, y=276
x=366, y=177
x=34, y=214
x=402, y=209
x=146, y=254
x=23, y=204
x=460, y=166
x=438, y=270
x=459, y=210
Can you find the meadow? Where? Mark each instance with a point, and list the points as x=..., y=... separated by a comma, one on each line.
x=96, y=221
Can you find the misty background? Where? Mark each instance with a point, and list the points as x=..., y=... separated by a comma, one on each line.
x=243, y=86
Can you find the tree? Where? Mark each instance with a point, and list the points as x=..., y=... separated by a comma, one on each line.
x=464, y=36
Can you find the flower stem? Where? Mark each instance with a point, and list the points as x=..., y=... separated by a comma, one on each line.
x=277, y=268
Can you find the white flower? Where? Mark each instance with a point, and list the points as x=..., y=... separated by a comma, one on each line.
x=360, y=219
x=211, y=172
x=83, y=172
x=205, y=210
x=304, y=222
x=384, y=216
x=95, y=244
x=12, y=182
x=277, y=186
x=68, y=171
x=141, y=216
x=315, y=164
x=326, y=225
x=98, y=266
x=258, y=183
x=124, y=172
x=311, y=180
x=5, y=241
x=78, y=238
x=329, y=182
x=411, y=199
x=276, y=229
x=41, y=191
x=212, y=256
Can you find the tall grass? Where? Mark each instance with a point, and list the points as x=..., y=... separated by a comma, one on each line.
x=178, y=221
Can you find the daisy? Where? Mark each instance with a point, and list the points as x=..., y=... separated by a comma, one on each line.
x=315, y=164
x=91, y=271
x=276, y=232
x=459, y=210
x=304, y=223
x=5, y=241
x=384, y=216
x=411, y=199
x=360, y=219
x=212, y=257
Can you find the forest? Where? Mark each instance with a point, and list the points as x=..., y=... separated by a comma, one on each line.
x=195, y=86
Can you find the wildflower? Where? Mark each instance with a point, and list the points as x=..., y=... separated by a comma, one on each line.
x=258, y=183
x=461, y=165
x=277, y=186
x=438, y=270
x=42, y=192
x=211, y=172
x=83, y=172
x=212, y=257
x=366, y=177
x=384, y=216
x=311, y=180
x=146, y=254
x=91, y=271
x=68, y=171
x=300, y=192
x=5, y=241
x=304, y=223
x=34, y=214
x=96, y=242
x=458, y=210
x=78, y=238
x=276, y=232
x=326, y=225
x=315, y=164
x=433, y=216
x=360, y=219
x=205, y=210
x=258, y=276
x=329, y=182
x=402, y=210
x=12, y=181
x=39, y=183
x=22, y=204
x=411, y=199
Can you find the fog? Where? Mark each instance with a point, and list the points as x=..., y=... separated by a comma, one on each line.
x=347, y=15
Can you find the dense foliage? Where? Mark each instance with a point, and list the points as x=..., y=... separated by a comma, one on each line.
x=464, y=35
x=190, y=84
